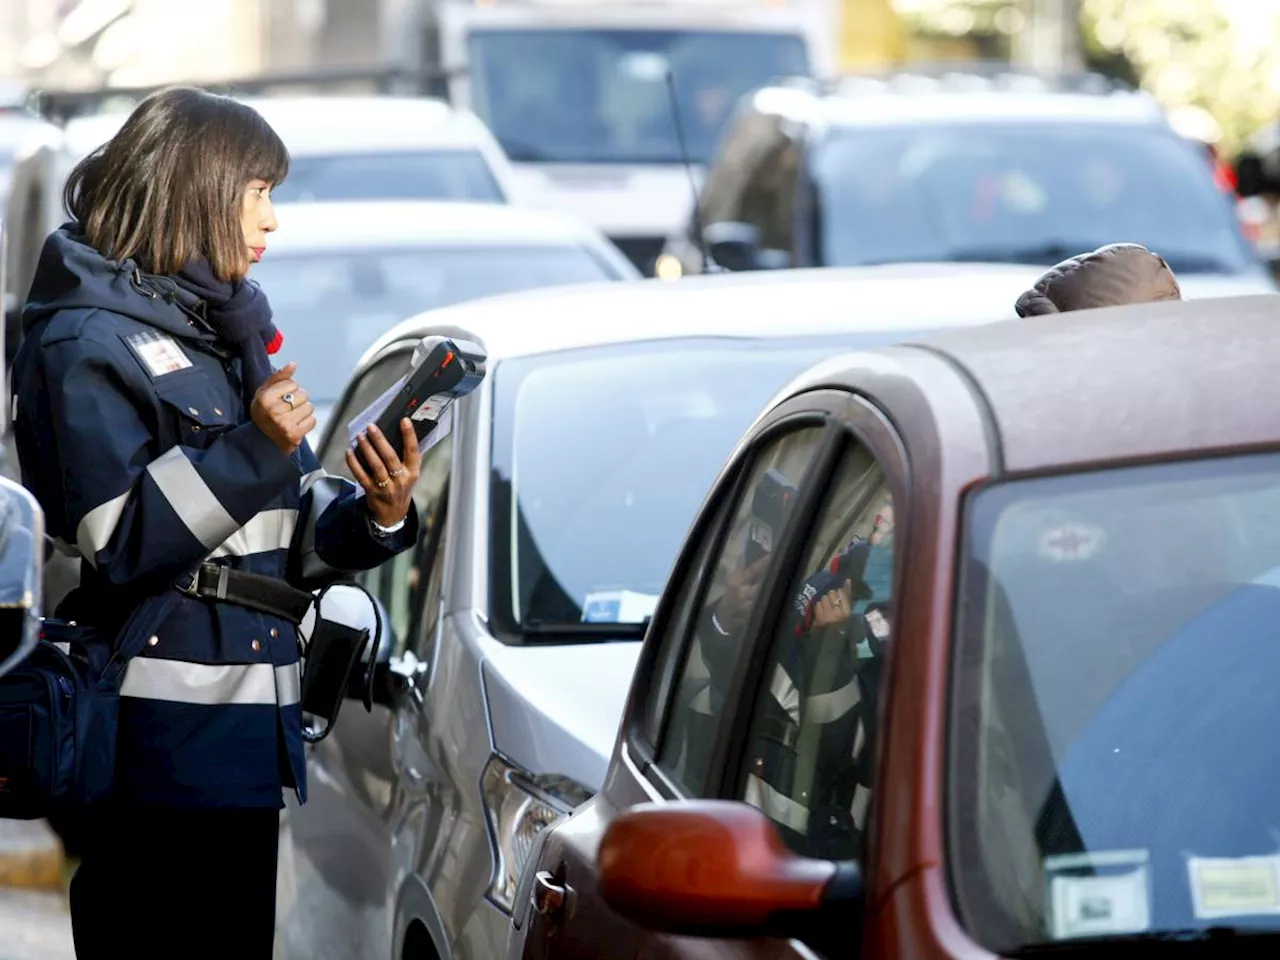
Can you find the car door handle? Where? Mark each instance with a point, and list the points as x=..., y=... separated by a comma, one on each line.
x=550, y=898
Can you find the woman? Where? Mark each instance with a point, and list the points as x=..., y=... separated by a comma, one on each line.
x=159, y=440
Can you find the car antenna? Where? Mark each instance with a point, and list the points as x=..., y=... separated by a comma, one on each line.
x=708, y=264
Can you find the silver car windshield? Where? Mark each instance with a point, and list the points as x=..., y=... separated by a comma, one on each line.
x=331, y=307
x=601, y=458
x=1118, y=648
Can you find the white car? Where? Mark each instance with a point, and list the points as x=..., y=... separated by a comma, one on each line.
x=340, y=274
x=341, y=147
x=551, y=514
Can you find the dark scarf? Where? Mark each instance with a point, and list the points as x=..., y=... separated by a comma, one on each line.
x=239, y=313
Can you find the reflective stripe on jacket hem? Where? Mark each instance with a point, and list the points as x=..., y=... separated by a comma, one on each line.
x=177, y=681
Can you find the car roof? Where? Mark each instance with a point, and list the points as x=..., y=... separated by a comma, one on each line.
x=876, y=104
x=339, y=225
x=330, y=124
x=907, y=297
x=352, y=124
x=1161, y=380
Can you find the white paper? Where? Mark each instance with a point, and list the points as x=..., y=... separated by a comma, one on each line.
x=369, y=415
x=1103, y=893
x=1234, y=886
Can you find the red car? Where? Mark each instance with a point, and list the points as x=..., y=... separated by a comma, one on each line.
x=971, y=651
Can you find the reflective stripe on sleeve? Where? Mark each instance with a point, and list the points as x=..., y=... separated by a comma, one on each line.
x=309, y=480
x=785, y=692
x=831, y=706
x=191, y=499
x=269, y=530
x=776, y=805
x=149, y=678
x=99, y=524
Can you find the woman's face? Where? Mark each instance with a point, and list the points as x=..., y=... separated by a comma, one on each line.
x=257, y=218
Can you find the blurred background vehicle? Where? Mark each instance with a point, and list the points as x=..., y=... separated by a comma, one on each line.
x=577, y=94
x=963, y=165
x=552, y=515
x=341, y=148
x=340, y=274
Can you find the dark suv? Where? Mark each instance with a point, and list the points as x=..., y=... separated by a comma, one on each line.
x=959, y=167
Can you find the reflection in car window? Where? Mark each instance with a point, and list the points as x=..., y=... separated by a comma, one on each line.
x=1118, y=657
x=718, y=630
x=1027, y=192
x=393, y=175
x=401, y=584
x=600, y=96
x=809, y=760
x=333, y=306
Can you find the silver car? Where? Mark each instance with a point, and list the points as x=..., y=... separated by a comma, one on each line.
x=552, y=513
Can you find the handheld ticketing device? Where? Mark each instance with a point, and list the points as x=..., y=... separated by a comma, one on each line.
x=769, y=508
x=442, y=370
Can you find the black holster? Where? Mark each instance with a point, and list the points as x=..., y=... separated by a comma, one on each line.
x=332, y=658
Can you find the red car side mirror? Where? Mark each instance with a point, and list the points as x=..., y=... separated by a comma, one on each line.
x=716, y=868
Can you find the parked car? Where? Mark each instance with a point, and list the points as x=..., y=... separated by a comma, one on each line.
x=341, y=149
x=552, y=515
x=341, y=274
x=1035, y=713
x=960, y=167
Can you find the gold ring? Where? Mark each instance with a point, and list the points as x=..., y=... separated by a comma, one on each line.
x=396, y=473
x=288, y=398
x=381, y=483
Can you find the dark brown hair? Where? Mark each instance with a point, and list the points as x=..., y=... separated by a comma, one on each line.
x=168, y=188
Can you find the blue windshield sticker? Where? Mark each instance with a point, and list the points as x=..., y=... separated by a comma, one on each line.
x=617, y=606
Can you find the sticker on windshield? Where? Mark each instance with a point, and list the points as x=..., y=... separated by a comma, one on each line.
x=1103, y=893
x=617, y=606
x=1234, y=886
x=1071, y=542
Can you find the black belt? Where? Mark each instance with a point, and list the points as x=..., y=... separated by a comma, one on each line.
x=215, y=581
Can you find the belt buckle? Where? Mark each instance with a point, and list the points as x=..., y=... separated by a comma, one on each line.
x=192, y=587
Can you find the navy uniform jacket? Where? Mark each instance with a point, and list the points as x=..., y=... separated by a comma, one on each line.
x=132, y=433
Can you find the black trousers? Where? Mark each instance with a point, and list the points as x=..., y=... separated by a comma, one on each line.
x=171, y=882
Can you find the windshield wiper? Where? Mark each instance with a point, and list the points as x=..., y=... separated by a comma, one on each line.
x=1206, y=940
x=593, y=630
x=521, y=152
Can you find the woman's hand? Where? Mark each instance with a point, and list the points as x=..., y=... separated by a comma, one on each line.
x=834, y=606
x=388, y=483
x=282, y=411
